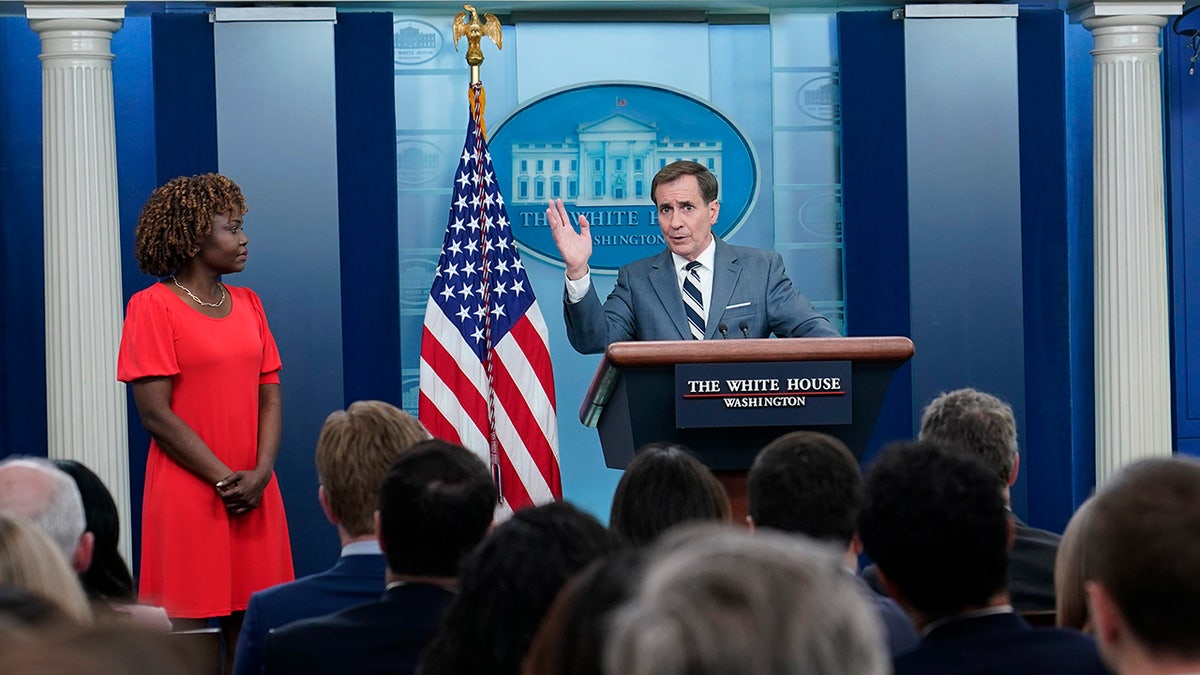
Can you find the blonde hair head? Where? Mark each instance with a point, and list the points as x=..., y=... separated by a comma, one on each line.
x=356, y=448
x=30, y=560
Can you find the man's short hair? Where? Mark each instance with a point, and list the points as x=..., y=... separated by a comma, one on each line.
x=1142, y=542
x=977, y=422
x=356, y=448
x=808, y=483
x=435, y=505
x=722, y=602
x=676, y=170
x=936, y=524
x=52, y=504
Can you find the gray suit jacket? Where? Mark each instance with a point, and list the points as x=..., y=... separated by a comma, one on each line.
x=751, y=295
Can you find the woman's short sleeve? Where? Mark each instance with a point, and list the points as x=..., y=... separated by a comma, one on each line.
x=147, y=340
x=271, y=362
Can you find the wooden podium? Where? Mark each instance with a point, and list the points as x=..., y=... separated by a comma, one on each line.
x=632, y=398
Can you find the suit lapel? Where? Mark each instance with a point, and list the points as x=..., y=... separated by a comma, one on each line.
x=725, y=276
x=666, y=285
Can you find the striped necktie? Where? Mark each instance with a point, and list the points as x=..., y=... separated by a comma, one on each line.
x=693, y=302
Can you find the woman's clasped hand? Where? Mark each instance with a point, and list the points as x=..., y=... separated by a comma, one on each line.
x=241, y=491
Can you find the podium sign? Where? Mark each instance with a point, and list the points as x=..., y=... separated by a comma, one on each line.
x=635, y=397
x=781, y=393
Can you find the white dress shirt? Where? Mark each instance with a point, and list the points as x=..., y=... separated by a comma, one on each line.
x=577, y=288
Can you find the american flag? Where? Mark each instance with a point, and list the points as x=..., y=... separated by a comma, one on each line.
x=486, y=380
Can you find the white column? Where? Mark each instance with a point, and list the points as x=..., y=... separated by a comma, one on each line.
x=85, y=404
x=1132, y=357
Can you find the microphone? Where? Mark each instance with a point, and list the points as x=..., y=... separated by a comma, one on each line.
x=724, y=330
x=745, y=330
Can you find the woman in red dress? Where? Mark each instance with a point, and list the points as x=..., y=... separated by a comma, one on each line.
x=204, y=370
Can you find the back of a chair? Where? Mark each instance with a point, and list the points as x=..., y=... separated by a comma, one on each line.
x=203, y=647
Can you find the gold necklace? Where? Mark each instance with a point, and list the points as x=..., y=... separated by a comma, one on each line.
x=198, y=300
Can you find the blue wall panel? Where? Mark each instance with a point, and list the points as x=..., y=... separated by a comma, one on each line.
x=23, y=328
x=185, y=97
x=277, y=137
x=366, y=166
x=1183, y=138
x=1053, y=438
x=875, y=197
x=965, y=211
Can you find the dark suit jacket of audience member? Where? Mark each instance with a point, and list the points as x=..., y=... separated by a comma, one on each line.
x=1030, y=570
x=386, y=636
x=898, y=628
x=1001, y=644
x=354, y=580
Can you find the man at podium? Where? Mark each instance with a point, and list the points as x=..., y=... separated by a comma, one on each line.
x=699, y=288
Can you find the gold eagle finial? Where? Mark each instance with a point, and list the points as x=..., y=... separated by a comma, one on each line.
x=475, y=30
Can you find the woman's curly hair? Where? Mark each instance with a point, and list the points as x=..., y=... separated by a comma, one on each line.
x=178, y=216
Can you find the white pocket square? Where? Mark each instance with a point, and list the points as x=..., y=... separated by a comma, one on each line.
x=740, y=304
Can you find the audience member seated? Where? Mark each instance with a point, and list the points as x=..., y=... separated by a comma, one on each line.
x=107, y=580
x=663, y=486
x=936, y=523
x=36, y=490
x=718, y=601
x=808, y=483
x=507, y=584
x=572, y=637
x=435, y=505
x=29, y=560
x=355, y=449
x=1142, y=544
x=1070, y=572
x=983, y=425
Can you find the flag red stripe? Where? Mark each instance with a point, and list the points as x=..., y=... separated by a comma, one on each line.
x=480, y=296
x=473, y=405
x=436, y=423
x=510, y=481
x=524, y=420
x=537, y=352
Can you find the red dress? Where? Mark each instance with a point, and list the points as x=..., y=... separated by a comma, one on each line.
x=197, y=559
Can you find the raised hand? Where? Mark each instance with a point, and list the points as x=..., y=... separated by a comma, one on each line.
x=574, y=247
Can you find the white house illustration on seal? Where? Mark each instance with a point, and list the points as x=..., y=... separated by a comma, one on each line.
x=609, y=163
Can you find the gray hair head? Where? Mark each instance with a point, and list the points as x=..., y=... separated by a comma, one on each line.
x=975, y=422
x=716, y=600
x=36, y=490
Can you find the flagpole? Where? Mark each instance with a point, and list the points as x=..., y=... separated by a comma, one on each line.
x=486, y=377
x=475, y=30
